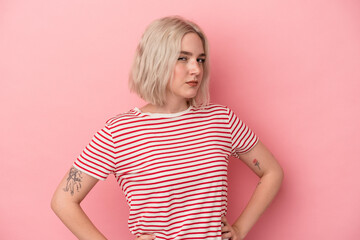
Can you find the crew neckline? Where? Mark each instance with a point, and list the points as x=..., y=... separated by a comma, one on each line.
x=168, y=115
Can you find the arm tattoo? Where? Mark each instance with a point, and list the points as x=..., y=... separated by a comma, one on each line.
x=73, y=181
x=257, y=163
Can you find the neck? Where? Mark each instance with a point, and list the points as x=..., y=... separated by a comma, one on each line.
x=167, y=108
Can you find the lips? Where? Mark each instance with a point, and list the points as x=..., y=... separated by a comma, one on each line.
x=192, y=83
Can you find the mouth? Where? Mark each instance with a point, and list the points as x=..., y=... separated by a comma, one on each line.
x=192, y=83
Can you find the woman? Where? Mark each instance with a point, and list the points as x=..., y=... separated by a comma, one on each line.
x=170, y=157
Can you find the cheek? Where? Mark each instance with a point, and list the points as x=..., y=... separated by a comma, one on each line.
x=179, y=70
x=202, y=72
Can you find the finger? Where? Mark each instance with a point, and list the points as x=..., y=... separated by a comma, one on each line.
x=226, y=235
x=225, y=229
x=224, y=220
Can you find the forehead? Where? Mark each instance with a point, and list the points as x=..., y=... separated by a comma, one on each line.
x=191, y=42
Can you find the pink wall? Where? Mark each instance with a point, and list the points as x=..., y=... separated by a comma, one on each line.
x=290, y=69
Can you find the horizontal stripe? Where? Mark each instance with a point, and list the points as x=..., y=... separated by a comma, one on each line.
x=172, y=168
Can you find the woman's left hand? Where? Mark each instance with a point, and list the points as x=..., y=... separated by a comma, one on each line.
x=228, y=231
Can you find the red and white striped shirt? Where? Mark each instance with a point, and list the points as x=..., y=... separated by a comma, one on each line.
x=172, y=168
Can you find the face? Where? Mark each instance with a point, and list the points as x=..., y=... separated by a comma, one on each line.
x=188, y=72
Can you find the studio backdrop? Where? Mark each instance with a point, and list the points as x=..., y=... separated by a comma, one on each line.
x=289, y=69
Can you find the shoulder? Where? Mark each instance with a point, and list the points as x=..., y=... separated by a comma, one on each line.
x=124, y=117
x=212, y=108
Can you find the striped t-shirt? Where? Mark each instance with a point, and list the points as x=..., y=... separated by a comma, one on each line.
x=172, y=168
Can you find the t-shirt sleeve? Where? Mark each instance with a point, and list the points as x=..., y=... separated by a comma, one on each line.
x=97, y=159
x=243, y=139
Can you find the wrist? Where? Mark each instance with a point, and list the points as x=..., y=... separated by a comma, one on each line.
x=240, y=235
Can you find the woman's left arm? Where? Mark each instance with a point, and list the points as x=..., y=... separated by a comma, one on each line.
x=263, y=163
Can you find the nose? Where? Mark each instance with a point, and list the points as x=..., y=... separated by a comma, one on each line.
x=194, y=67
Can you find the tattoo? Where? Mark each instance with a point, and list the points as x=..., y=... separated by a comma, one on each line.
x=73, y=181
x=259, y=183
x=257, y=163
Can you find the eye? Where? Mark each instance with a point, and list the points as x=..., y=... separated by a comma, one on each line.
x=182, y=59
x=201, y=60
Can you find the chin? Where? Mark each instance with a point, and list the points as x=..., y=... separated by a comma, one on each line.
x=190, y=96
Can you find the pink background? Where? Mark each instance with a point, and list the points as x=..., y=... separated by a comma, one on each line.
x=289, y=69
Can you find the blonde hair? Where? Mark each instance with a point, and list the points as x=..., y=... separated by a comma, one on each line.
x=156, y=56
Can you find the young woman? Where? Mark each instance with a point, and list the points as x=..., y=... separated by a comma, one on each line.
x=170, y=157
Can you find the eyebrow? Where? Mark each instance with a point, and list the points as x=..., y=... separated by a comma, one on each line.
x=190, y=54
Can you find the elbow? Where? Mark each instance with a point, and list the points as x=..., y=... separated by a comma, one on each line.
x=276, y=174
x=58, y=203
x=281, y=174
x=61, y=204
x=55, y=204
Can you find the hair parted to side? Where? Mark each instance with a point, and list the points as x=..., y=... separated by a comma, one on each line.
x=156, y=56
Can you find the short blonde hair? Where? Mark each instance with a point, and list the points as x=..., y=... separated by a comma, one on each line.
x=156, y=56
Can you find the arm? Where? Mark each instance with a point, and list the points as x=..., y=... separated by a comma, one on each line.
x=66, y=204
x=263, y=163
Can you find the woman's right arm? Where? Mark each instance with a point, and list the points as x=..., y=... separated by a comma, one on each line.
x=72, y=189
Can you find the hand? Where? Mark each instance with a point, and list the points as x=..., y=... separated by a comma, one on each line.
x=145, y=237
x=228, y=231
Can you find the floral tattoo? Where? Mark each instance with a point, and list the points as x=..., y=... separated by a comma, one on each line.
x=256, y=163
x=73, y=181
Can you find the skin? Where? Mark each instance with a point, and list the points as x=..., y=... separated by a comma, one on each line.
x=259, y=159
x=66, y=205
x=188, y=68
x=270, y=177
x=75, y=185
